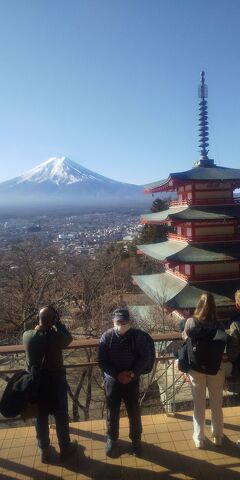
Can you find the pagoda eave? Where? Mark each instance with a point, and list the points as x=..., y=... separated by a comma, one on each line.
x=169, y=185
x=192, y=213
x=180, y=252
x=175, y=293
x=197, y=174
x=162, y=188
x=145, y=221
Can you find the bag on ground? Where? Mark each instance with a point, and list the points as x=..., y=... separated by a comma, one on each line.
x=21, y=390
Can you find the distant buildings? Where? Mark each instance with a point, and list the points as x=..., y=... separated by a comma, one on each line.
x=82, y=234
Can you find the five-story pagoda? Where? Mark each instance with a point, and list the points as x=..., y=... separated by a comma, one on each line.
x=202, y=253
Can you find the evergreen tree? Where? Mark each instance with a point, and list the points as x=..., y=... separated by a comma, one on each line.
x=159, y=205
x=155, y=233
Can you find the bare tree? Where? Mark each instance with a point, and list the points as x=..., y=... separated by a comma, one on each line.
x=31, y=276
x=97, y=288
x=86, y=290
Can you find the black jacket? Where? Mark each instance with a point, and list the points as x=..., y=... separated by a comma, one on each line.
x=117, y=353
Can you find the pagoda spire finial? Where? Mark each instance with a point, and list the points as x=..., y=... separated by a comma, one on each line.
x=204, y=161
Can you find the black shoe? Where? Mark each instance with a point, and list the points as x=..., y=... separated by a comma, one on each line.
x=45, y=454
x=137, y=448
x=111, y=448
x=67, y=453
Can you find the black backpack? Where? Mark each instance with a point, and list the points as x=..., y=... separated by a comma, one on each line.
x=205, y=345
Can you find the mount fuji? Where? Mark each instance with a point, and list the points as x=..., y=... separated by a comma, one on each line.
x=60, y=181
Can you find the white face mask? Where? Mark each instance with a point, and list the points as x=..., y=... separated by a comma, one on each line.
x=121, y=329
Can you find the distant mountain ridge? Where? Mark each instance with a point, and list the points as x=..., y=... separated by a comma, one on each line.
x=60, y=180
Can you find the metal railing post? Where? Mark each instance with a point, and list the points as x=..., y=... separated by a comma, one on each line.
x=166, y=386
x=173, y=376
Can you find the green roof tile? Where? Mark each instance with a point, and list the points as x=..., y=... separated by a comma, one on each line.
x=166, y=289
x=199, y=174
x=181, y=252
x=227, y=212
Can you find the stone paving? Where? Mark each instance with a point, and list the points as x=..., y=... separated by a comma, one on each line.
x=168, y=452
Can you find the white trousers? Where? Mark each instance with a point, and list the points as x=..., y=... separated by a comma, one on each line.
x=214, y=383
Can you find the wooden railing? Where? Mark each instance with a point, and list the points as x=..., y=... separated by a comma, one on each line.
x=82, y=344
x=173, y=380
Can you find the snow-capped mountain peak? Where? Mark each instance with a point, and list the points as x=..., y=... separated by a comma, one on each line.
x=60, y=171
x=60, y=181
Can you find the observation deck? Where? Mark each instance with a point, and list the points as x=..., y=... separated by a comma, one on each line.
x=168, y=452
x=168, y=449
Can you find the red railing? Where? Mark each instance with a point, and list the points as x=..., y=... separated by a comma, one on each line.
x=180, y=238
x=204, y=277
x=205, y=201
x=181, y=275
x=215, y=276
x=205, y=238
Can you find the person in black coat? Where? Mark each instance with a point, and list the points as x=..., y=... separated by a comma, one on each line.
x=122, y=361
x=43, y=346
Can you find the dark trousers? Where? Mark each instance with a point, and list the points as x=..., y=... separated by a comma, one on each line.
x=53, y=400
x=129, y=393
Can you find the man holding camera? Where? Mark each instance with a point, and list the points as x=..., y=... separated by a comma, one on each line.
x=43, y=346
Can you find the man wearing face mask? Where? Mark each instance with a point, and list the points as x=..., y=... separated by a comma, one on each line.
x=122, y=365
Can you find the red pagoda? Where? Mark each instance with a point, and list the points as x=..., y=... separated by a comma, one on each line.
x=202, y=252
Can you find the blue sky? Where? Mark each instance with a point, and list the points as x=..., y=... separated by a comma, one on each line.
x=113, y=84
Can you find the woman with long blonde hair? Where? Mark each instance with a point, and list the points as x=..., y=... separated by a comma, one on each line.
x=205, y=310
x=204, y=327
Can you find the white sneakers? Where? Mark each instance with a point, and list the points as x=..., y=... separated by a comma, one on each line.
x=217, y=441
x=199, y=443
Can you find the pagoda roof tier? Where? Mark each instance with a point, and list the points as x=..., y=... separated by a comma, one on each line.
x=196, y=174
x=212, y=213
x=174, y=293
x=181, y=252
